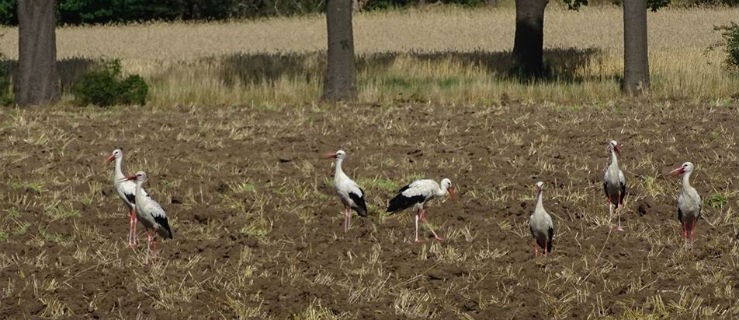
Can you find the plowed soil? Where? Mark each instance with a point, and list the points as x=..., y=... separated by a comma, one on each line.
x=258, y=229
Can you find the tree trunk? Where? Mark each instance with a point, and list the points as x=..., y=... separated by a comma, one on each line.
x=636, y=55
x=528, y=44
x=339, y=80
x=37, y=81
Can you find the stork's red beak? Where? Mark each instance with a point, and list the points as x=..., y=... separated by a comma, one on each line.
x=452, y=192
x=330, y=155
x=617, y=148
x=109, y=159
x=133, y=177
x=677, y=171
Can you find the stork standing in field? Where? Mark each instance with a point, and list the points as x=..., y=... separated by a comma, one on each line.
x=351, y=195
x=416, y=194
x=688, y=202
x=150, y=213
x=127, y=192
x=540, y=224
x=614, y=183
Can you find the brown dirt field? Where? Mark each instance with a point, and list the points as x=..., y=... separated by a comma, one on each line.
x=257, y=228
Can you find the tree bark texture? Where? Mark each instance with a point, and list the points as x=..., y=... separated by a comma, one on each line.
x=636, y=55
x=37, y=80
x=528, y=44
x=339, y=80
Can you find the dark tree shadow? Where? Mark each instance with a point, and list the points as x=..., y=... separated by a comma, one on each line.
x=268, y=68
x=562, y=65
x=70, y=70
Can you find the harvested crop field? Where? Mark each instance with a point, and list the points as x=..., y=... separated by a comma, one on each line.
x=258, y=229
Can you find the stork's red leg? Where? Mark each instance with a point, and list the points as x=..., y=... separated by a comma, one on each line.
x=423, y=219
x=135, y=221
x=434, y=233
x=417, y=218
x=692, y=230
x=348, y=218
x=148, y=245
x=610, y=211
x=132, y=228
x=536, y=249
x=619, y=208
x=154, y=245
x=685, y=231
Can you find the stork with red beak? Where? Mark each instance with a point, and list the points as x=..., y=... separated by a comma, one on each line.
x=416, y=194
x=127, y=192
x=614, y=183
x=351, y=195
x=540, y=224
x=150, y=213
x=688, y=201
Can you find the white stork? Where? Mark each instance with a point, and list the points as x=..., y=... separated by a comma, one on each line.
x=614, y=183
x=540, y=224
x=351, y=195
x=688, y=201
x=150, y=213
x=416, y=194
x=127, y=192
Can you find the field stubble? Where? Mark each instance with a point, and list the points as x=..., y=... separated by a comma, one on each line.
x=258, y=230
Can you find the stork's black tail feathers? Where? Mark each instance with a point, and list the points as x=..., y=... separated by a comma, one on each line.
x=401, y=202
x=360, y=206
x=550, y=237
x=164, y=231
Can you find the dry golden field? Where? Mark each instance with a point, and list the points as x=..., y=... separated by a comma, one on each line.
x=440, y=55
x=232, y=142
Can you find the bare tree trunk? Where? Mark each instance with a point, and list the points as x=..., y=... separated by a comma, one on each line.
x=340, y=74
x=636, y=54
x=528, y=44
x=37, y=81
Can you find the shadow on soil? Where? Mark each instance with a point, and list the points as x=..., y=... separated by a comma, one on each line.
x=70, y=70
x=561, y=64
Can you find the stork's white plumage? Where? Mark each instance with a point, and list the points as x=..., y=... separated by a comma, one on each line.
x=351, y=195
x=688, y=201
x=416, y=194
x=126, y=191
x=540, y=224
x=614, y=183
x=150, y=213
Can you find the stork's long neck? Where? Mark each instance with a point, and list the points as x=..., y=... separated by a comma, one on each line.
x=442, y=191
x=137, y=193
x=540, y=201
x=118, y=171
x=339, y=172
x=614, y=158
x=686, y=180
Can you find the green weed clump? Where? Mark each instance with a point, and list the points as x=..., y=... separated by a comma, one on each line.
x=105, y=86
x=6, y=94
x=730, y=33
